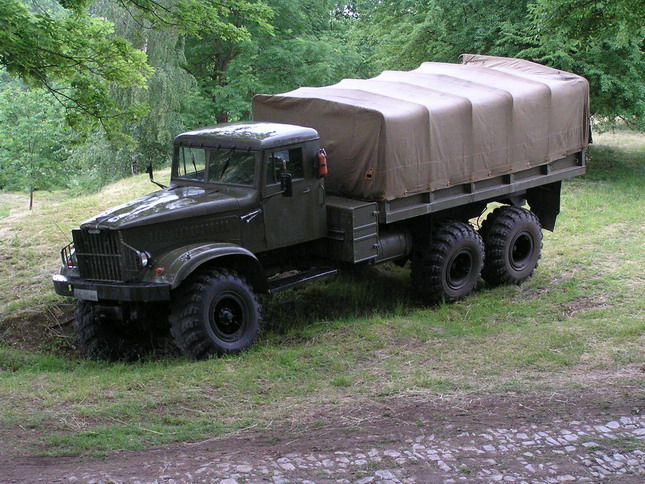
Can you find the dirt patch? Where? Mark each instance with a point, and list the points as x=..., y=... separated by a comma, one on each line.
x=584, y=304
x=47, y=328
x=535, y=437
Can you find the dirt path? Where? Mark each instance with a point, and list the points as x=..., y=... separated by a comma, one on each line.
x=539, y=438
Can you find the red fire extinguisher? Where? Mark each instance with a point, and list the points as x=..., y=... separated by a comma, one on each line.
x=322, y=163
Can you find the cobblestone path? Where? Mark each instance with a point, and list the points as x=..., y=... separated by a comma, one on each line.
x=548, y=449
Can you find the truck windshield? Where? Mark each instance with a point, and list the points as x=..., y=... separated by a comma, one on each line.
x=215, y=165
x=192, y=163
x=230, y=166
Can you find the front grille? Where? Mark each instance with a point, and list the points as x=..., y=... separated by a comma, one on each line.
x=103, y=256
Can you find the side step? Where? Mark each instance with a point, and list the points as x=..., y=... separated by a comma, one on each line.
x=288, y=282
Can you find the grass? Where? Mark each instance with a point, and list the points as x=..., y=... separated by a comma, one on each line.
x=334, y=345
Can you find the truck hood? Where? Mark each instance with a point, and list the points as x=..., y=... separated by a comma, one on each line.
x=174, y=203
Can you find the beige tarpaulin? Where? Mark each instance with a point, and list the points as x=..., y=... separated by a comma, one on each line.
x=403, y=133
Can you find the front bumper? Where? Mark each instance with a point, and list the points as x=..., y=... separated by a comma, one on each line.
x=110, y=291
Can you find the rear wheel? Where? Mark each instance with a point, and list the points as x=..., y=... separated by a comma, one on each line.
x=214, y=312
x=446, y=266
x=513, y=240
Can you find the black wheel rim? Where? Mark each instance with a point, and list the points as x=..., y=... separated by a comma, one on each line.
x=521, y=250
x=459, y=269
x=228, y=318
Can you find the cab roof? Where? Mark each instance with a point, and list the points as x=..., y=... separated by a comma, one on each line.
x=247, y=135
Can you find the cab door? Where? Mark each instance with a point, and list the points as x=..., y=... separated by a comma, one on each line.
x=290, y=220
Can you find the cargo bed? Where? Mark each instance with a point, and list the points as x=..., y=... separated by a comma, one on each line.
x=513, y=184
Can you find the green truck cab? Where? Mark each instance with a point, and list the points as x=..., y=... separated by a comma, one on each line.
x=252, y=209
x=239, y=194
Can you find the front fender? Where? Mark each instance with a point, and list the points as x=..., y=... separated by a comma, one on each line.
x=179, y=263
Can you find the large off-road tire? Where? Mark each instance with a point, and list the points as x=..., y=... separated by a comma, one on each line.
x=447, y=264
x=214, y=312
x=104, y=338
x=513, y=240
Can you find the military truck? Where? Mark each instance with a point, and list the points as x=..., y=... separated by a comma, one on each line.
x=364, y=172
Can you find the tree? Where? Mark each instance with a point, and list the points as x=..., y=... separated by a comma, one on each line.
x=77, y=57
x=305, y=44
x=74, y=57
x=33, y=140
x=601, y=40
x=166, y=93
x=404, y=33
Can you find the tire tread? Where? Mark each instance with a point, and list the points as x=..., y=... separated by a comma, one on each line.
x=431, y=253
x=495, y=231
x=185, y=323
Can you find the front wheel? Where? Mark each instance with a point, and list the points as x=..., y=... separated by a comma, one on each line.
x=102, y=336
x=446, y=266
x=214, y=312
x=513, y=240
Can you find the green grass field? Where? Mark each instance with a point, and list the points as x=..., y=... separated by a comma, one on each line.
x=577, y=323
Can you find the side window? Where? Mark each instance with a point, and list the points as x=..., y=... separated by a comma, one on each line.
x=275, y=164
x=295, y=163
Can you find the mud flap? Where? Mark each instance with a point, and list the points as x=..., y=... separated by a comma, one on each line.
x=545, y=203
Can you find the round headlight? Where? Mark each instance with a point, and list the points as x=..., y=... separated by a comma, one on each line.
x=145, y=258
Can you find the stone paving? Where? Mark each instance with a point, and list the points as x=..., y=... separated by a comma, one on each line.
x=597, y=450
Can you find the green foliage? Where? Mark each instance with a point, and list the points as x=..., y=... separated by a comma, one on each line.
x=74, y=57
x=78, y=58
x=116, y=69
x=404, y=33
x=305, y=45
x=591, y=21
x=601, y=40
x=164, y=96
x=224, y=20
x=33, y=139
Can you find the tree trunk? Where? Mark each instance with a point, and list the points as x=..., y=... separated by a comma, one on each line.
x=31, y=175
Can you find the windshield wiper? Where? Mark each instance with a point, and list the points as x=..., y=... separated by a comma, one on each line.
x=192, y=158
x=227, y=162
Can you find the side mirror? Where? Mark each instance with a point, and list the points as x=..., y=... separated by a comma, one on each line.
x=286, y=184
x=152, y=177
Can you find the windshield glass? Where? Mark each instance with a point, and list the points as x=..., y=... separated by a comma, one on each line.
x=192, y=163
x=229, y=166
x=224, y=165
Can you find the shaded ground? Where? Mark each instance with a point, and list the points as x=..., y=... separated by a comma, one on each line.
x=44, y=328
x=592, y=436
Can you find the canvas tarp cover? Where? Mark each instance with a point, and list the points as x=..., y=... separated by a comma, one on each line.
x=402, y=133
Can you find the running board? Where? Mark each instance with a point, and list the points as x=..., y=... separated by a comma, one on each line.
x=301, y=278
